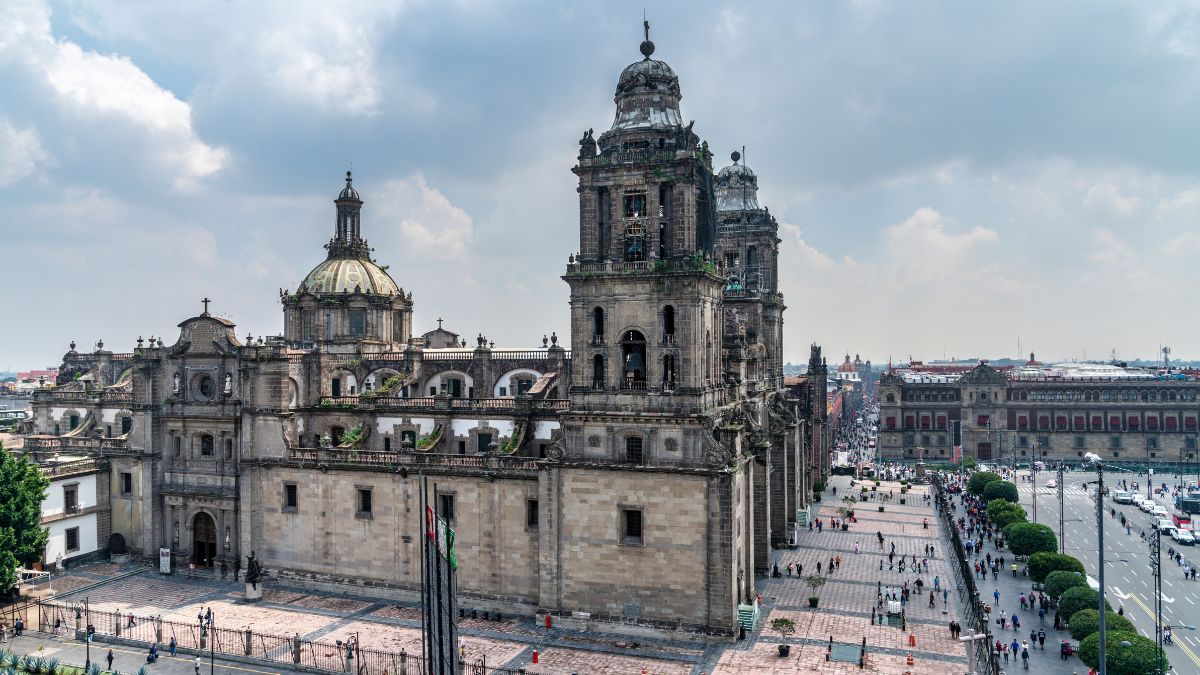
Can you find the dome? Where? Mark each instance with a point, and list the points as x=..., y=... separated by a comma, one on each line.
x=739, y=170
x=736, y=187
x=650, y=74
x=349, y=192
x=343, y=275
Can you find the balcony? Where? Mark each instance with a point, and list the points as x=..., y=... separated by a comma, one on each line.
x=415, y=461
x=597, y=341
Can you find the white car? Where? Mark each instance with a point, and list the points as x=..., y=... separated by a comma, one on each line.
x=1146, y=505
x=1160, y=511
x=1183, y=537
x=1052, y=483
x=1164, y=524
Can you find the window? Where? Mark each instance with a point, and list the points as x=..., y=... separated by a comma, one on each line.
x=72, y=538
x=408, y=439
x=1080, y=442
x=71, y=497
x=1152, y=443
x=1189, y=443
x=126, y=425
x=206, y=445
x=335, y=435
x=891, y=422
x=633, y=450
x=503, y=391
x=910, y=439
x=1116, y=454
x=446, y=507
x=531, y=514
x=74, y=422
x=228, y=448
x=291, y=497
x=483, y=443
x=1023, y=441
x=364, y=503
x=357, y=320
x=335, y=387
x=668, y=324
x=925, y=440
x=205, y=387
x=635, y=205
x=1044, y=441
x=598, y=326
x=126, y=483
x=387, y=443
x=1114, y=442
x=631, y=527
x=178, y=446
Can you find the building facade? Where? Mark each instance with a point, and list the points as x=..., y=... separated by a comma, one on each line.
x=663, y=440
x=1041, y=412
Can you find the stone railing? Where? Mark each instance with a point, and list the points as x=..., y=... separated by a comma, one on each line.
x=443, y=403
x=413, y=461
x=105, y=446
x=88, y=465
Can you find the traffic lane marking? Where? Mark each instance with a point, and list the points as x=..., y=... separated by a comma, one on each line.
x=1184, y=648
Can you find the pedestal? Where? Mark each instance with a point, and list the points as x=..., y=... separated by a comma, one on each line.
x=254, y=594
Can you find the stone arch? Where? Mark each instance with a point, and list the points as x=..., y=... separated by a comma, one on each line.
x=293, y=393
x=343, y=382
x=509, y=382
x=378, y=377
x=203, y=528
x=443, y=382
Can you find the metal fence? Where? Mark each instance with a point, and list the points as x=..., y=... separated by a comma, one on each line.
x=201, y=638
x=973, y=615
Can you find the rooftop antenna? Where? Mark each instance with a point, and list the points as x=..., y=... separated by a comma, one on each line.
x=1166, y=352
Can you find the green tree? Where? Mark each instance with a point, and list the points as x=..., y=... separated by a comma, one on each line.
x=1087, y=621
x=1075, y=599
x=1060, y=581
x=969, y=462
x=978, y=480
x=1043, y=563
x=1004, y=513
x=22, y=489
x=1139, y=658
x=1029, y=538
x=1000, y=489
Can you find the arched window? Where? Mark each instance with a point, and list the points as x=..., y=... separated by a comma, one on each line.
x=126, y=425
x=668, y=371
x=598, y=326
x=597, y=372
x=633, y=360
x=891, y=398
x=206, y=445
x=668, y=318
x=74, y=420
x=633, y=450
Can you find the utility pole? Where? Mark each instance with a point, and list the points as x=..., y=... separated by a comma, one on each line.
x=1095, y=459
x=1033, y=476
x=1062, y=543
x=1156, y=567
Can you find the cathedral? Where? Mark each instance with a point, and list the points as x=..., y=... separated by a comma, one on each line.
x=636, y=478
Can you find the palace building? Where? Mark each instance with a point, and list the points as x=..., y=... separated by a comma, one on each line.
x=661, y=439
x=1041, y=412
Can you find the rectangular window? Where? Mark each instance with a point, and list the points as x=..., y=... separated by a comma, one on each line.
x=1152, y=443
x=126, y=483
x=635, y=205
x=357, y=320
x=364, y=503
x=633, y=450
x=1189, y=443
x=387, y=443
x=335, y=387
x=1114, y=442
x=1044, y=441
x=941, y=439
x=910, y=439
x=483, y=443
x=1022, y=422
x=1023, y=441
x=531, y=514
x=1152, y=423
x=983, y=419
x=1080, y=442
x=1114, y=422
x=631, y=527
x=1043, y=422
x=446, y=507
x=308, y=324
x=178, y=446
x=462, y=447
x=925, y=439
x=72, y=538
x=71, y=497
x=1116, y=454
x=1097, y=423
x=909, y=422
x=504, y=392
x=891, y=422
x=291, y=497
x=941, y=421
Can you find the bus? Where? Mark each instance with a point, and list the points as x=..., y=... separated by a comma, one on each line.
x=9, y=419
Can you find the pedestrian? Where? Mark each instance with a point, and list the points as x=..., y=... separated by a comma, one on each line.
x=881, y=564
x=1121, y=610
x=839, y=561
x=196, y=665
x=996, y=595
x=856, y=548
x=1041, y=637
x=130, y=624
x=172, y=646
x=818, y=568
x=1042, y=616
x=931, y=598
x=109, y=658
x=789, y=569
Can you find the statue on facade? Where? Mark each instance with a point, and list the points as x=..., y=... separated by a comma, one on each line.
x=587, y=145
x=254, y=571
x=228, y=384
x=175, y=384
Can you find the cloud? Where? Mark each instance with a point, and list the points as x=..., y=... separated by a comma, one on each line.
x=1108, y=198
x=20, y=153
x=105, y=88
x=921, y=248
x=428, y=223
x=1109, y=249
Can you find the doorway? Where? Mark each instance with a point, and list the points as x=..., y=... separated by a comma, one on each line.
x=204, y=540
x=983, y=451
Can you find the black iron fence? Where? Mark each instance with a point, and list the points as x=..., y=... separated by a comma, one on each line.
x=973, y=614
x=202, y=638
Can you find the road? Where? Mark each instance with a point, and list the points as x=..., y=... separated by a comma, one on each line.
x=1129, y=579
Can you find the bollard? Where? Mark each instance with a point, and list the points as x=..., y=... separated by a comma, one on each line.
x=535, y=656
x=403, y=662
x=296, y=648
x=249, y=641
x=912, y=640
x=547, y=620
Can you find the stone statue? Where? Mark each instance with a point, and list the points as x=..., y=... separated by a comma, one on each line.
x=254, y=571
x=175, y=384
x=587, y=145
x=228, y=384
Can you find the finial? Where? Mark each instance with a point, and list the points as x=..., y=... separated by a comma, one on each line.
x=206, y=301
x=349, y=178
x=72, y=345
x=647, y=47
x=735, y=156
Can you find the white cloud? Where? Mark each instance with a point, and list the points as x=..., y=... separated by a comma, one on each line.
x=1109, y=249
x=429, y=224
x=921, y=248
x=20, y=153
x=106, y=88
x=1108, y=197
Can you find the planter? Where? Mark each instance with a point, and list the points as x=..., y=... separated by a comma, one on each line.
x=784, y=650
x=875, y=488
x=881, y=509
x=903, y=501
x=812, y=602
x=845, y=527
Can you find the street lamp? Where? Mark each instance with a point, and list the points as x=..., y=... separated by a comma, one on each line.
x=1094, y=459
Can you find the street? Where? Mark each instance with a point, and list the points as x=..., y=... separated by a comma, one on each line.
x=1129, y=580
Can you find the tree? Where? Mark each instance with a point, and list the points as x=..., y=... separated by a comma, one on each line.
x=1087, y=621
x=1003, y=512
x=1043, y=563
x=1029, y=538
x=1075, y=599
x=1060, y=581
x=969, y=462
x=1000, y=489
x=22, y=489
x=979, y=480
x=1139, y=658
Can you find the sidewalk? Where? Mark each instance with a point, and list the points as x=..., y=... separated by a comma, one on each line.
x=125, y=659
x=850, y=594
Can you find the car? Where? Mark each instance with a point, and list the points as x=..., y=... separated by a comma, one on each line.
x=1052, y=483
x=1146, y=505
x=1164, y=524
x=1160, y=511
x=1183, y=537
x=1122, y=497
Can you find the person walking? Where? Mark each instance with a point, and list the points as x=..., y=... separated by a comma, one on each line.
x=172, y=646
x=109, y=658
x=1041, y=638
x=196, y=665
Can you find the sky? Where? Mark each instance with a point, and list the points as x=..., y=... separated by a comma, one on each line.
x=951, y=179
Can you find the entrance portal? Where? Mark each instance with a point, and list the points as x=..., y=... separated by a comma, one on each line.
x=204, y=540
x=983, y=451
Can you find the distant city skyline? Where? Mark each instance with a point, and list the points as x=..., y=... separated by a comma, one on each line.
x=948, y=177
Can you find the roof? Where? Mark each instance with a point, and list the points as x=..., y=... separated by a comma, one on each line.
x=342, y=275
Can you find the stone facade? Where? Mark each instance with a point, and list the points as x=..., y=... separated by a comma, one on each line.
x=1127, y=416
x=639, y=477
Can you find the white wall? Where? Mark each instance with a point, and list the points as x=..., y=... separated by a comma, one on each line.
x=57, y=543
x=542, y=430
x=505, y=381
x=436, y=381
x=52, y=505
x=384, y=424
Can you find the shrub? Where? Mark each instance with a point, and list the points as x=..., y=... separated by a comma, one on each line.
x=1030, y=538
x=1140, y=657
x=969, y=462
x=1043, y=563
x=1075, y=599
x=1060, y=581
x=1004, y=513
x=1000, y=489
x=980, y=480
x=1087, y=621
x=783, y=625
x=818, y=486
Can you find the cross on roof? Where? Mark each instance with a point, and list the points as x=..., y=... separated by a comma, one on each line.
x=439, y=323
x=206, y=301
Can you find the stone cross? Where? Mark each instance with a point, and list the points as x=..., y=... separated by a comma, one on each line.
x=206, y=301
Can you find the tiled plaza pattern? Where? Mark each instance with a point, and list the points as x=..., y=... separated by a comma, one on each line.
x=844, y=612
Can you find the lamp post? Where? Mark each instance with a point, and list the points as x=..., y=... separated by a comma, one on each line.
x=1094, y=459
